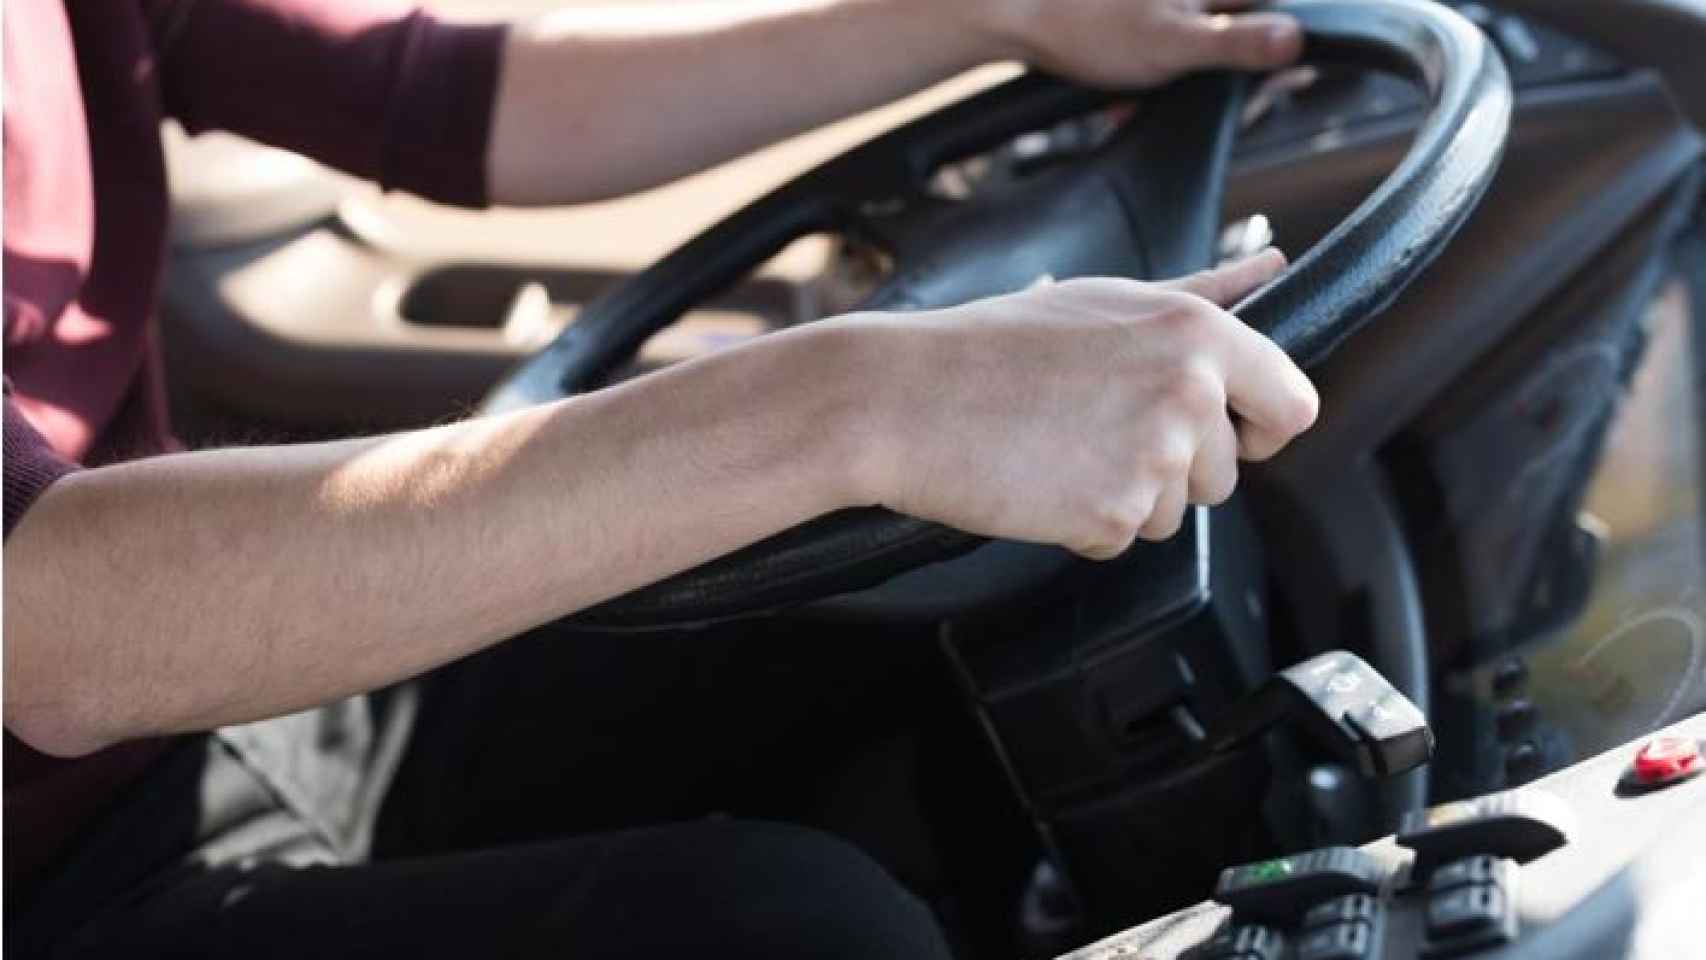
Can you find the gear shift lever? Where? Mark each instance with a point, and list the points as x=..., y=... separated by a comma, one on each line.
x=1343, y=703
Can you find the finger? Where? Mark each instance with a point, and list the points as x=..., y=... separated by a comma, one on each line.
x=1115, y=534
x=1257, y=443
x=1214, y=473
x=1231, y=282
x=1223, y=6
x=1250, y=41
x=1168, y=514
x=1101, y=550
x=1263, y=385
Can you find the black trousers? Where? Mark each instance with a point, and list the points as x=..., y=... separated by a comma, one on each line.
x=560, y=795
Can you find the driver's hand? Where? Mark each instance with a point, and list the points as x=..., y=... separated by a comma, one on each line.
x=1139, y=43
x=1085, y=413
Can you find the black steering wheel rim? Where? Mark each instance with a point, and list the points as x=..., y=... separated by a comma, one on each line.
x=1327, y=294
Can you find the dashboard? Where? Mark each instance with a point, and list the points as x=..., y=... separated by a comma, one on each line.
x=1587, y=863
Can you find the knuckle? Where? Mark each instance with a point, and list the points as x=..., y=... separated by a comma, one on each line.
x=1115, y=548
x=1162, y=528
x=1196, y=388
x=1207, y=284
x=1187, y=306
x=1191, y=319
x=1091, y=549
x=1171, y=455
x=1221, y=486
x=1118, y=524
x=1112, y=536
x=1102, y=288
x=1076, y=285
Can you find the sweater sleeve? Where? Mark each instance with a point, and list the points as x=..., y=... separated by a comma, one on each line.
x=31, y=465
x=376, y=89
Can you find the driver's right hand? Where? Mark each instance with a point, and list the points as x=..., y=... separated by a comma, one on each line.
x=1086, y=413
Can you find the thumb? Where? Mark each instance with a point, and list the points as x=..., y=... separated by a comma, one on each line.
x=1249, y=41
x=1228, y=283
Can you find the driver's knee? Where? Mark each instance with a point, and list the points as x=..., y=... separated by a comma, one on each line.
x=754, y=890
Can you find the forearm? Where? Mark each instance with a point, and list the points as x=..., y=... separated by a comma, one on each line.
x=597, y=102
x=193, y=590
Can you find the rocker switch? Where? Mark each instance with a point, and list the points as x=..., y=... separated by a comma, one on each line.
x=1518, y=824
x=1283, y=889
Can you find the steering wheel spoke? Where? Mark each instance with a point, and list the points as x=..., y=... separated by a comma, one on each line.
x=1168, y=166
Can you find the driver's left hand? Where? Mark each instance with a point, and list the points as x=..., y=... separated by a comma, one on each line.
x=1139, y=43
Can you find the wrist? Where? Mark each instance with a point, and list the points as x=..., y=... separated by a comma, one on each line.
x=1003, y=27
x=980, y=31
x=851, y=390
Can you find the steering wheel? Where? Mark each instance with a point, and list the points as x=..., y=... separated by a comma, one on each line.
x=1144, y=204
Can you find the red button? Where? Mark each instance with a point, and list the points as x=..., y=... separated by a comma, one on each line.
x=1669, y=758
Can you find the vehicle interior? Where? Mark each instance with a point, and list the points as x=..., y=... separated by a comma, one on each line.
x=1404, y=672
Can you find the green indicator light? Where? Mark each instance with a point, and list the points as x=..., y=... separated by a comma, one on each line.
x=1270, y=870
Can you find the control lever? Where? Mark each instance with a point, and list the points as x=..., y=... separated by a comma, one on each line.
x=1346, y=705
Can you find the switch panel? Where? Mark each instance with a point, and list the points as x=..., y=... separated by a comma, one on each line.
x=1629, y=873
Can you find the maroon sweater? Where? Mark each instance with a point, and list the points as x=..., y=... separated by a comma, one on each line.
x=379, y=90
